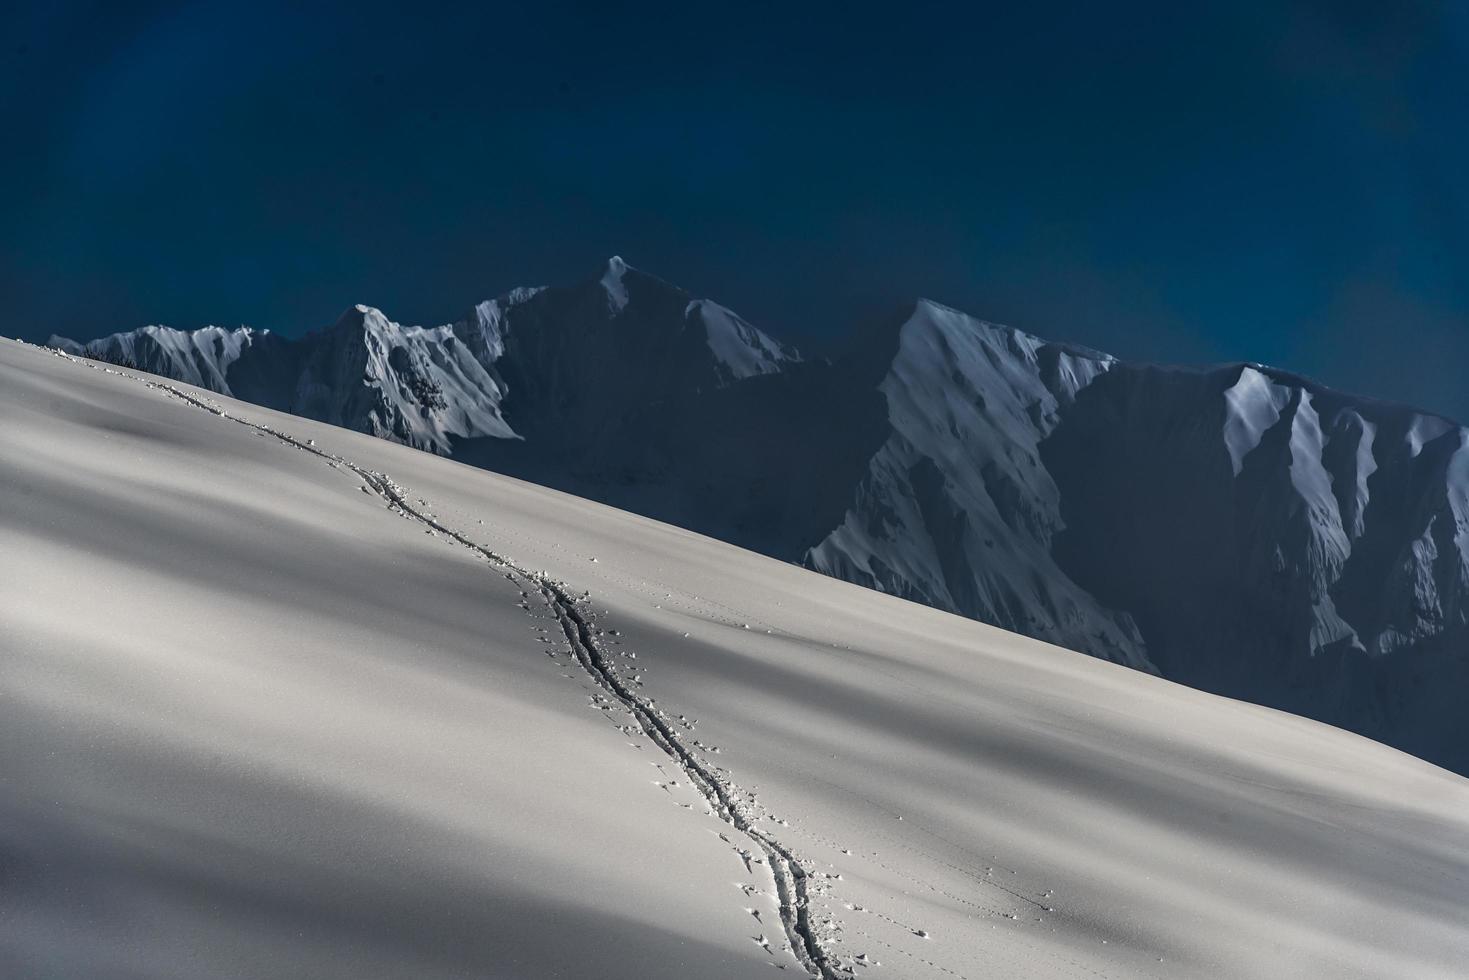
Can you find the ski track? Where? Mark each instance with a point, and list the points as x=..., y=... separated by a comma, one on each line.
x=731, y=804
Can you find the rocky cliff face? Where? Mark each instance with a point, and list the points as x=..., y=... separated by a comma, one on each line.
x=956, y=509
x=1277, y=542
x=1235, y=528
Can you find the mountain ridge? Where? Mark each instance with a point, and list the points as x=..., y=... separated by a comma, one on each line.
x=1236, y=527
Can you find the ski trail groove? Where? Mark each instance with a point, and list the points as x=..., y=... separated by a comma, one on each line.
x=722, y=795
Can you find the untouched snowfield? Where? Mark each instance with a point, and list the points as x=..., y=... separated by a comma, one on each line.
x=284, y=700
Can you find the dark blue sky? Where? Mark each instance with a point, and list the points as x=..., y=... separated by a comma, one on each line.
x=1279, y=182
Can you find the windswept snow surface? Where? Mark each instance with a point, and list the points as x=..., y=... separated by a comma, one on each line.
x=285, y=700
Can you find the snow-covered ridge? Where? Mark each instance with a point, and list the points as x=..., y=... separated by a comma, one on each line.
x=433, y=387
x=417, y=385
x=1236, y=527
x=200, y=357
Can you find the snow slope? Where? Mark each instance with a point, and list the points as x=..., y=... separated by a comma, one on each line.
x=282, y=699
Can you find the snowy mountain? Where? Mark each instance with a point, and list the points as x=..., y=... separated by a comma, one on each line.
x=577, y=355
x=1234, y=528
x=956, y=509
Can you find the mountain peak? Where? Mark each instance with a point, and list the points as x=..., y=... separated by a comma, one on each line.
x=360, y=316
x=612, y=283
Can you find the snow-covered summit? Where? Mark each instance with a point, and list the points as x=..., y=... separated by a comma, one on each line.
x=612, y=284
x=416, y=385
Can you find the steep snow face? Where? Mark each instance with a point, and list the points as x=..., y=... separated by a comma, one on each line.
x=1252, y=405
x=956, y=509
x=1348, y=455
x=1327, y=544
x=418, y=386
x=740, y=350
